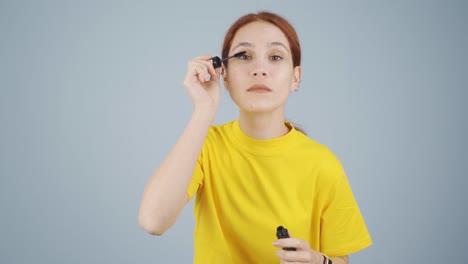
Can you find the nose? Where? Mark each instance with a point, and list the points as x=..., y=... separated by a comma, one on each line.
x=259, y=73
x=259, y=68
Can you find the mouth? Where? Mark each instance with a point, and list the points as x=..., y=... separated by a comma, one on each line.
x=259, y=88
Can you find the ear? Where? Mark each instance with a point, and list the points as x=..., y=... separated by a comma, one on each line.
x=297, y=73
x=225, y=78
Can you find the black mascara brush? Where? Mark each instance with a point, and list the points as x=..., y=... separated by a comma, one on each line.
x=217, y=62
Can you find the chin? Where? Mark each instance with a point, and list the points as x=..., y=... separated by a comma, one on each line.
x=257, y=105
x=259, y=108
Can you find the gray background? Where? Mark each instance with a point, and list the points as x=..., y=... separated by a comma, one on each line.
x=92, y=100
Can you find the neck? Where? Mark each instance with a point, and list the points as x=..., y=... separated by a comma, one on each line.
x=263, y=125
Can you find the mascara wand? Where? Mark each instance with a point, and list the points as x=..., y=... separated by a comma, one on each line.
x=217, y=62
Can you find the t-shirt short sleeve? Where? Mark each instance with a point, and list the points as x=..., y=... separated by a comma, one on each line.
x=197, y=178
x=343, y=227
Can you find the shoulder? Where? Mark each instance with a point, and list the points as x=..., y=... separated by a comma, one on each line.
x=325, y=164
x=219, y=134
x=316, y=150
x=221, y=130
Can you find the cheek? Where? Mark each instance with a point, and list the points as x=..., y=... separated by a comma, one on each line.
x=285, y=77
x=233, y=79
x=235, y=72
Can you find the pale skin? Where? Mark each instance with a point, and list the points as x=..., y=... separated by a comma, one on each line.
x=259, y=83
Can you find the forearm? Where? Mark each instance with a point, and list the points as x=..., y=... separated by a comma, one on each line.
x=165, y=193
x=336, y=260
x=340, y=260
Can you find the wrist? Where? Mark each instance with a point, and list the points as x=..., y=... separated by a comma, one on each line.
x=321, y=258
x=318, y=258
x=326, y=259
x=207, y=113
x=208, y=105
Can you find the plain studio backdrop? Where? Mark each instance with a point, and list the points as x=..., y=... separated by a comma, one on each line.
x=92, y=101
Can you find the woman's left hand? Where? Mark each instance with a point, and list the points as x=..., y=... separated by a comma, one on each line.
x=302, y=254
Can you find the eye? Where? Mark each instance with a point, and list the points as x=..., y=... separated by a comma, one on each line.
x=276, y=58
x=245, y=57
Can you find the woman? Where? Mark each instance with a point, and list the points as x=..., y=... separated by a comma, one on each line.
x=258, y=172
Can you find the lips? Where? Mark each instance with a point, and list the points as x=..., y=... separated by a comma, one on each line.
x=259, y=88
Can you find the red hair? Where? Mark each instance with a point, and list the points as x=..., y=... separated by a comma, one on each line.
x=269, y=17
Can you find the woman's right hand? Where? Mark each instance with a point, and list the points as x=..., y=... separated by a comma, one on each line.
x=202, y=82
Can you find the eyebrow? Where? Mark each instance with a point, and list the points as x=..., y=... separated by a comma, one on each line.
x=277, y=43
x=243, y=44
x=250, y=45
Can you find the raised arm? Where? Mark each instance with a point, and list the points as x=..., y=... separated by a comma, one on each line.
x=166, y=191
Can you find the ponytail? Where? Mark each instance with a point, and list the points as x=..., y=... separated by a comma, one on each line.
x=298, y=128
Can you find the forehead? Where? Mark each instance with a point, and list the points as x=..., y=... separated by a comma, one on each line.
x=260, y=33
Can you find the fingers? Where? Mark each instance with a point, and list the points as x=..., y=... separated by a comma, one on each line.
x=202, y=68
x=292, y=242
x=303, y=253
x=290, y=257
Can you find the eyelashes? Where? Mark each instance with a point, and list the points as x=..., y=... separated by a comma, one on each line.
x=276, y=57
x=246, y=56
x=243, y=56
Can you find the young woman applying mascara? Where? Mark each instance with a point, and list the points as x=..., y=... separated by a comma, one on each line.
x=256, y=174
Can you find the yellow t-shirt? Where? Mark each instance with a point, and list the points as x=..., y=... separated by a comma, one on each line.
x=246, y=188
